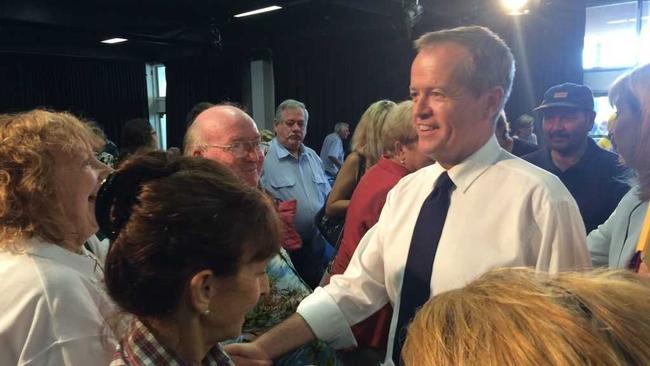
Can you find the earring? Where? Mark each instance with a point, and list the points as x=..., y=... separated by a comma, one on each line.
x=402, y=161
x=206, y=312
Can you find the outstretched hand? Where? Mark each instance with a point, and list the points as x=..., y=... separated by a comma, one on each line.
x=247, y=354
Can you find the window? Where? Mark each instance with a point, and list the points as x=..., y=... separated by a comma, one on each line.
x=162, y=81
x=156, y=93
x=644, y=52
x=614, y=43
x=603, y=111
x=611, y=37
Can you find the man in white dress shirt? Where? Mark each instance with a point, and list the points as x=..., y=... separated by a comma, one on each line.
x=503, y=211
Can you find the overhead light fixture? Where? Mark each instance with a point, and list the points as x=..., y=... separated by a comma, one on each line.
x=258, y=11
x=516, y=7
x=114, y=40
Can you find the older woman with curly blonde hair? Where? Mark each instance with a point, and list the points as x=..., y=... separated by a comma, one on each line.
x=52, y=307
x=516, y=316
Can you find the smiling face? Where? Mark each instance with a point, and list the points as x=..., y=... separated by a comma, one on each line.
x=451, y=121
x=226, y=125
x=77, y=178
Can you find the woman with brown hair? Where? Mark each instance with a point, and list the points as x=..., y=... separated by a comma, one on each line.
x=53, y=305
x=191, y=245
x=516, y=316
x=615, y=242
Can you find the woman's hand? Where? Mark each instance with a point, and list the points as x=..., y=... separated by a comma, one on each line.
x=247, y=354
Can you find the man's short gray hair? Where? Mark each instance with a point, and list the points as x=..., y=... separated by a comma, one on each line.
x=290, y=104
x=339, y=126
x=492, y=61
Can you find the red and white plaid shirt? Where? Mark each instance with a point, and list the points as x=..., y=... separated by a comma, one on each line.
x=140, y=348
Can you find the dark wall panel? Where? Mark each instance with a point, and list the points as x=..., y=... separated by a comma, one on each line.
x=212, y=78
x=106, y=91
x=338, y=78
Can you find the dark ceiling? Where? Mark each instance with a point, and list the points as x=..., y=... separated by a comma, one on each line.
x=162, y=29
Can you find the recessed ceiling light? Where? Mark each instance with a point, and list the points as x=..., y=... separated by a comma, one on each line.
x=515, y=7
x=114, y=40
x=258, y=11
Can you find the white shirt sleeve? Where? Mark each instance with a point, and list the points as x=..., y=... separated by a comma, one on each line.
x=563, y=245
x=350, y=297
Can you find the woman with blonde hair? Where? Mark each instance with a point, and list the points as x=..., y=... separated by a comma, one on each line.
x=400, y=157
x=516, y=316
x=614, y=243
x=366, y=148
x=53, y=305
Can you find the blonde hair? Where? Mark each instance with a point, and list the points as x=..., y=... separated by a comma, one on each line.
x=29, y=204
x=519, y=317
x=633, y=89
x=366, y=139
x=398, y=127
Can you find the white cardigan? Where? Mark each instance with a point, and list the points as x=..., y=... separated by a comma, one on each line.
x=614, y=242
x=52, y=308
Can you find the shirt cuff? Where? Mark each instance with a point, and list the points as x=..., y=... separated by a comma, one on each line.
x=326, y=320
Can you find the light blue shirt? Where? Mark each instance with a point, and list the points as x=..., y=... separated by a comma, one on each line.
x=302, y=179
x=332, y=146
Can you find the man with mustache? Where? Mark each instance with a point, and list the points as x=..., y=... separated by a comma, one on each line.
x=593, y=176
x=294, y=171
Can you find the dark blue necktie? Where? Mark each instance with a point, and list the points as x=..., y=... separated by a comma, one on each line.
x=416, y=285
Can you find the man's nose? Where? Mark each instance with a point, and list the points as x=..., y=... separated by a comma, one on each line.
x=421, y=109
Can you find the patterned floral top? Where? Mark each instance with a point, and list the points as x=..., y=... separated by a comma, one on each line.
x=287, y=289
x=139, y=348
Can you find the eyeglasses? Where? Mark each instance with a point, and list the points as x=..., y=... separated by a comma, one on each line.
x=241, y=149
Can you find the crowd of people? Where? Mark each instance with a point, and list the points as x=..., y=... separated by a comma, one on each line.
x=451, y=249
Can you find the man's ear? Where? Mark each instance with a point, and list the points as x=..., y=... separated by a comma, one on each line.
x=197, y=153
x=493, y=101
x=201, y=290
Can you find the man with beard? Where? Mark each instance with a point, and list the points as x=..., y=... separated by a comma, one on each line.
x=294, y=171
x=593, y=176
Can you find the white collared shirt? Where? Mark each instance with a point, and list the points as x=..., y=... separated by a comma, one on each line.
x=53, y=308
x=504, y=212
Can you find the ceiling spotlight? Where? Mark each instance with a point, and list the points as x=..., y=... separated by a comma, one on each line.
x=516, y=7
x=258, y=11
x=114, y=40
